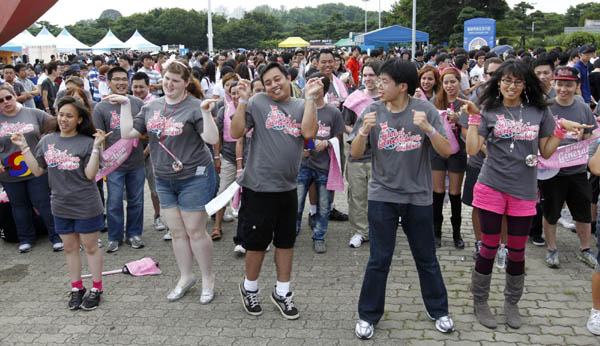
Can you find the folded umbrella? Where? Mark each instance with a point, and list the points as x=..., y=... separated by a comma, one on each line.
x=144, y=266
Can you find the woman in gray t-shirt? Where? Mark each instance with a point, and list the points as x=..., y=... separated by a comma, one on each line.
x=178, y=127
x=514, y=123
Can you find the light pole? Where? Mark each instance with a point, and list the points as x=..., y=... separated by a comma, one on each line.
x=379, y=14
x=210, y=32
x=365, y=15
x=414, y=30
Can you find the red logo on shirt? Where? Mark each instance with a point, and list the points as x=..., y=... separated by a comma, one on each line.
x=324, y=131
x=19, y=127
x=277, y=120
x=333, y=100
x=115, y=120
x=392, y=139
x=508, y=128
x=60, y=159
x=158, y=123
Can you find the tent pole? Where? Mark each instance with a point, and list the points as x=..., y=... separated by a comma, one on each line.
x=414, y=29
x=210, y=32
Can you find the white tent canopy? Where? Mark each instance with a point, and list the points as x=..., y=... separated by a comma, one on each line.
x=24, y=39
x=139, y=43
x=66, y=43
x=108, y=42
x=44, y=38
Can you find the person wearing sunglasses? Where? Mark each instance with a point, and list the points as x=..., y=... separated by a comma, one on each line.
x=24, y=190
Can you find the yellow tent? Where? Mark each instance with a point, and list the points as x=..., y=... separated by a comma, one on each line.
x=293, y=42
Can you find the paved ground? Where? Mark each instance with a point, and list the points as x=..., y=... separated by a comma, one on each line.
x=134, y=311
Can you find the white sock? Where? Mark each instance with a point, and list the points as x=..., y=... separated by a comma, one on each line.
x=282, y=288
x=251, y=286
x=313, y=209
x=332, y=206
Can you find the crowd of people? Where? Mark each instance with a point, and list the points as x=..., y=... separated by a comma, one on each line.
x=467, y=126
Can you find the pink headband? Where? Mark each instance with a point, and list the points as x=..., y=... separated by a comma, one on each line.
x=442, y=70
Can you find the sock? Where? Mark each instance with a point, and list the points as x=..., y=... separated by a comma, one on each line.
x=77, y=284
x=251, y=286
x=282, y=288
x=97, y=285
x=313, y=209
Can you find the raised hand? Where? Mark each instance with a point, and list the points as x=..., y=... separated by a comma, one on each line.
x=116, y=99
x=420, y=119
x=208, y=105
x=99, y=137
x=369, y=120
x=314, y=87
x=243, y=89
x=19, y=140
x=469, y=107
x=573, y=126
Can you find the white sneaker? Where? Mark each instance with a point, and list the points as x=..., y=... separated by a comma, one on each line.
x=159, y=225
x=356, y=241
x=593, y=323
x=23, y=248
x=99, y=242
x=58, y=246
x=268, y=248
x=227, y=218
x=168, y=235
x=239, y=249
x=364, y=330
x=235, y=212
x=566, y=224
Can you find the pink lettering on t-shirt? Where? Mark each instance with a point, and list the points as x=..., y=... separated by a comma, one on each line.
x=324, y=131
x=277, y=120
x=60, y=159
x=157, y=123
x=7, y=129
x=115, y=120
x=392, y=139
x=508, y=128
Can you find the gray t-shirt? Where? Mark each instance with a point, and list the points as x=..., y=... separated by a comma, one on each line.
x=333, y=97
x=350, y=119
x=227, y=148
x=73, y=196
x=477, y=160
x=28, y=86
x=331, y=124
x=30, y=122
x=578, y=112
x=505, y=170
x=107, y=117
x=276, y=144
x=401, y=163
x=179, y=126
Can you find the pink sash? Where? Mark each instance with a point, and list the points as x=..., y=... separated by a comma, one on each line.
x=357, y=102
x=335, y=181
x=423, y=95
x=341, y=87
x=567, y=156
x=114, y=156
x=454, y=146
x=229, y=112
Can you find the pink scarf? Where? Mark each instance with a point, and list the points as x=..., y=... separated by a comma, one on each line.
x=114, y=156
x=454, y=146
x=357, y=102
x=341, y=88
x=335, y=180
x=229, y=112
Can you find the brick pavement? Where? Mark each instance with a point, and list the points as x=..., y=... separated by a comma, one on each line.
x=135, y=311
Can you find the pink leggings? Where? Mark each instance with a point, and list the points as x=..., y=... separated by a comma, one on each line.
x=518, y=230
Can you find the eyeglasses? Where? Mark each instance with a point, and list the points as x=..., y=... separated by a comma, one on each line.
x=119, y=80
x=517, y=83
x=7, y=98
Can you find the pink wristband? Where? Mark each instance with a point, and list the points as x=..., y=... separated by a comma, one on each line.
x=25, y=151
x=432, y=132
x=360, y=132
x=559, y=132
x=475, y=119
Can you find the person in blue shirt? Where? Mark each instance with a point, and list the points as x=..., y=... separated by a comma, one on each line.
x=585, y=54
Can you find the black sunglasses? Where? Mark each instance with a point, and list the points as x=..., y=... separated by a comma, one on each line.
x=7, y=98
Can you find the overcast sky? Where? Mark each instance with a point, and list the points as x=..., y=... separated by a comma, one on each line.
x=67, y=12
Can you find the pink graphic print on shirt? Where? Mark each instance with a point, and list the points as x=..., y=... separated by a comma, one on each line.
x=115, y=120
x=392, y=139
x=277, y=120
x=60, y=159
x=570, y=134
x=324, y=131
x=7, y=129
x=508, y=128
x=157, y=123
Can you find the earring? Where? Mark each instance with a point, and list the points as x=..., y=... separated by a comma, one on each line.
x=526, y=97
x=499, y=93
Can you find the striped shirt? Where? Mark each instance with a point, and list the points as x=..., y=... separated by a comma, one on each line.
x=154, y=77
x=93, y=77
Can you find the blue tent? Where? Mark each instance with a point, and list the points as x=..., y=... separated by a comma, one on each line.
x=11, y=47
x=391, y=34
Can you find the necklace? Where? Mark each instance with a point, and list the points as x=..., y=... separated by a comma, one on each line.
x=512, y=117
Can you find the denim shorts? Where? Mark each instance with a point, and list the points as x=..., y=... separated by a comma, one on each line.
x=190, y=194
x=85, y=226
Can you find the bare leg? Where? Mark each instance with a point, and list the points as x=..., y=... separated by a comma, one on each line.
x=439, y=181
x=200, y=243
x=71, y=243
x=584, y=234
x=596, y=290
x=94, y=255
x=181, y=245
x=313, y=196
x=504, y=231
x=476, y=224
x=217, y=228
x=155, y=205
x=283, y=261
x=550, y=233
x=254, y=260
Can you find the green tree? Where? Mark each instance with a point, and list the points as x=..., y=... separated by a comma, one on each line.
x=110, y=14
x=579, y=38
x=37, y=27
x=456, y=38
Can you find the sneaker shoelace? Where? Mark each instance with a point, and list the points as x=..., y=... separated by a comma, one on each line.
x=252, y=299
x=288, y=302
x=595, y=318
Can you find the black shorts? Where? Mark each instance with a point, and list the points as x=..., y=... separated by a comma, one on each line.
x=573, y=189
x=456, y=163
x=595, y=182
x=268, y=216
x=470, y=180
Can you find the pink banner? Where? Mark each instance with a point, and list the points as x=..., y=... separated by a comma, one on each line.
x=567, y=156
x=357, y=102
x=341, y=87
x=454, y=146
x=114, y=156
x=335, y=181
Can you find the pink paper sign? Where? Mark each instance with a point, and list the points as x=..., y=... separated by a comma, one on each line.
x=567, y=156
x=114, y=156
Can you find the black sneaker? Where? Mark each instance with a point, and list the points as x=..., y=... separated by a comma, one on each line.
x=336, y=215
x=312, y=220
x=286, y=305
x=92, y=300
x=459, y=243
x=250, y=300
x=537, y=240
x=76, y=298
x=438, y=241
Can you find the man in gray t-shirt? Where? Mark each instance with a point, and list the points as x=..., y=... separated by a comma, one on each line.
x=129, y=176
x=401, y=132
x=269, y=199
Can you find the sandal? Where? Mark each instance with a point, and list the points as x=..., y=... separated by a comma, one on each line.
x=216, y=234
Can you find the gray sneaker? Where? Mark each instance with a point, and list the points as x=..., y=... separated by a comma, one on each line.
x=319, y=246
x=135, y=242
x=168, y=235
x=552, y=258
x=364, y=330
x=113, y=246
x=588, y=258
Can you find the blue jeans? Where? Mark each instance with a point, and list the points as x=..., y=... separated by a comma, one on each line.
x=133, y=182
x=23, y=197
x=306, y=176
x=417, y=222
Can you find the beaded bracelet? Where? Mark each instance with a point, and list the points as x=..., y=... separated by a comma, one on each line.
x=475, y=119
